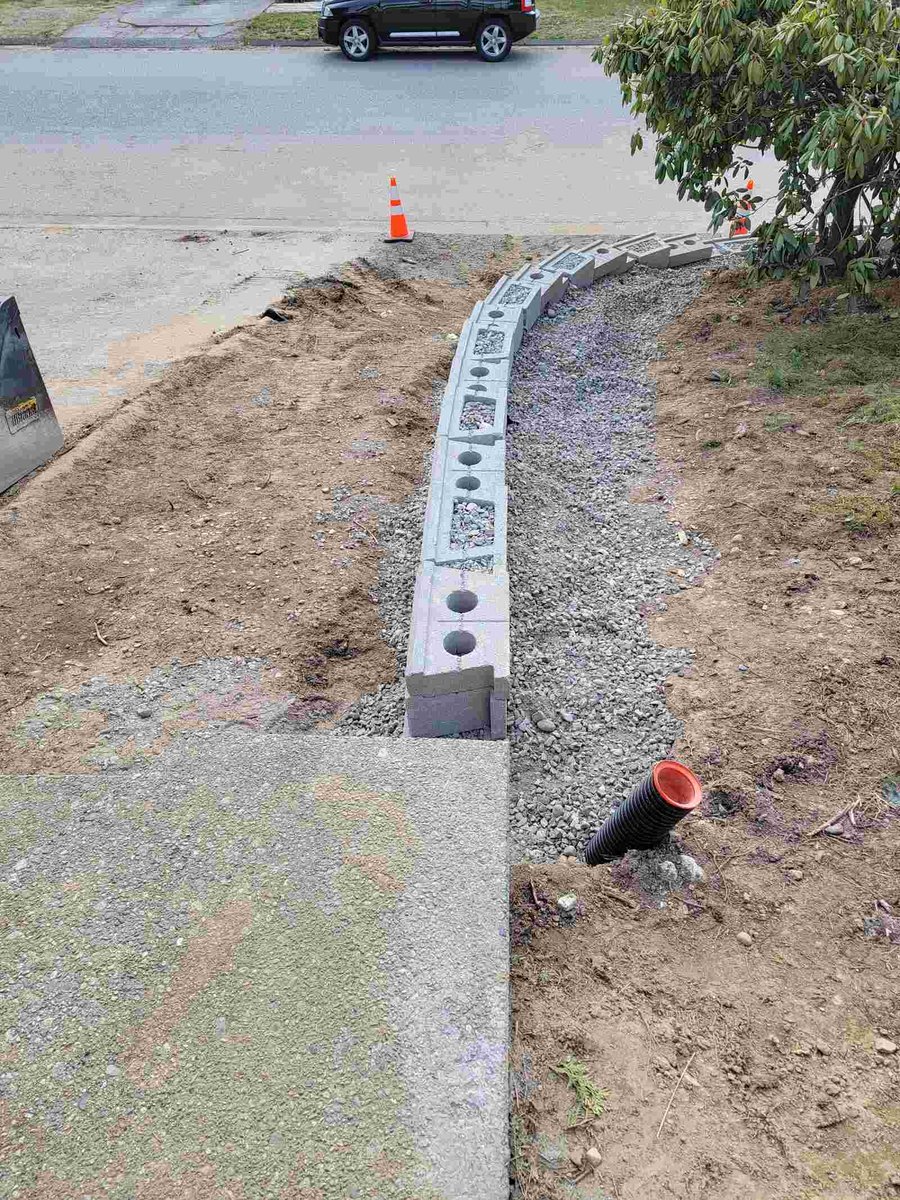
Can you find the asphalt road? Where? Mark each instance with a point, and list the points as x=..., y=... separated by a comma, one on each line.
x=302, y=139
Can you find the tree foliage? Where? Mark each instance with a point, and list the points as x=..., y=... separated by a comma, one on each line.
x=814, y=82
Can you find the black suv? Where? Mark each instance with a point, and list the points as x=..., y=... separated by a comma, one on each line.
x=360, y=27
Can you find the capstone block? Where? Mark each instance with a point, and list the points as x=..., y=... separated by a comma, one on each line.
x=510, y=293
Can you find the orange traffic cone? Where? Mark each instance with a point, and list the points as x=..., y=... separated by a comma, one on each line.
x=741, y=226
x=399, y=230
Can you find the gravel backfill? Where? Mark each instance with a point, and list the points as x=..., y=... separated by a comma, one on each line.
x=585, y=563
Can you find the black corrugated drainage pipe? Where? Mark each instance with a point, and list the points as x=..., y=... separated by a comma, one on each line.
x=655, y=806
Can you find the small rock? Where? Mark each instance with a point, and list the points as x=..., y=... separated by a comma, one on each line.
x=894, y=1181
x=144, y=713
x=576, y=1156
x=112, y=1070
x=796, y=874
x=884, y=1045
x=567, y=904
x=690, y=868
x=835, y=830
x=682, y=537
x=822, y=1047
x=778, y=775
x=545, y=725
x=744, y=938
x=593, y=1157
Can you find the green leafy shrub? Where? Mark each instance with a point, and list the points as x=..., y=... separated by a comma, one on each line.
x=814, y=82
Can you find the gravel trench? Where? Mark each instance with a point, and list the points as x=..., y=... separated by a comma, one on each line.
x=586, y=565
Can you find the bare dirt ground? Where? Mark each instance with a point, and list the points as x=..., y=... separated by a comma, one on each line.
x=765, y=1066
x=229, y=514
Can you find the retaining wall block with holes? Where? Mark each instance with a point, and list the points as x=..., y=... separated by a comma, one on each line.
x=462, y=526
x=553, y=284
x=517, y=293
x=646, y=248
x=510, y=320
x=29, y=431
x=474, y=413
x=469, y=371
x=688, y=249
x=729, y=245
x=499, y=706
x=459, y=637
x=577, y=264
x=608, y=260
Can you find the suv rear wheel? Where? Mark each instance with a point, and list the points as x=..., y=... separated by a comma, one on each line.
x=493, y=40
x=357, y=40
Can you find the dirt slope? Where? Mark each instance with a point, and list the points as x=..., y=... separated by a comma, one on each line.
x=782, y=1055
x=231, y=511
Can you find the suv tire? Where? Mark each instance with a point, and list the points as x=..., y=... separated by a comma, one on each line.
x=493, y=41
x=357, y=40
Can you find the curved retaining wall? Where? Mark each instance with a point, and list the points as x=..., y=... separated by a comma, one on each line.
x=457, y=668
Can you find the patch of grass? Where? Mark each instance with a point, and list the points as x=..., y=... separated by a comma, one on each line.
x=882, y=410
x=39, y=19
x=777, y=422
x=591, y=1098
x=712, y=444
x=862, y=514
x=841, y=352
x=583, y=20
x=290, y=27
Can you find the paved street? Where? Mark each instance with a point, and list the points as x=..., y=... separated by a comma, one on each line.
x=302, y=139
x=107, y=159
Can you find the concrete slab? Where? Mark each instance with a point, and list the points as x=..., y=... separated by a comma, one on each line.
x=263, y=967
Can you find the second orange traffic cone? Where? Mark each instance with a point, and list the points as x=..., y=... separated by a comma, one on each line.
x=399, y=231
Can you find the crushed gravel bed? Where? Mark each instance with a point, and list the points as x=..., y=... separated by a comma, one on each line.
x=476, y=415
x=472, y=524
x=586, y=564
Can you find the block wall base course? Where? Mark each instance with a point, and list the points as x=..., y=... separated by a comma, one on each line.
x=508, y=293
x=499, y=705
x=453, y=412
x=510, y=319
x=688, y=249
x=457, y=651
x=553, y=285
x=436, y=543
x=576, y=263
x=607, y=260
x=647, y=248
x=445, y=716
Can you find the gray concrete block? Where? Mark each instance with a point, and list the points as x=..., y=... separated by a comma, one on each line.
x=688, y=248
x=498, y=316
x=439, y=543
x=336, y=911
x=459, y=632
x=525, y=294
x=452, y=457
x=553, y=284
x=646, y=248
x=607, y=260
x=448, y=715
x=475, y=413
x=29, y=431
x=576, y=263
x=499, y=706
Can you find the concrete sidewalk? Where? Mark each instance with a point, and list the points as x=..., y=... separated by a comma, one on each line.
x=173, y=20
x=265, y=967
